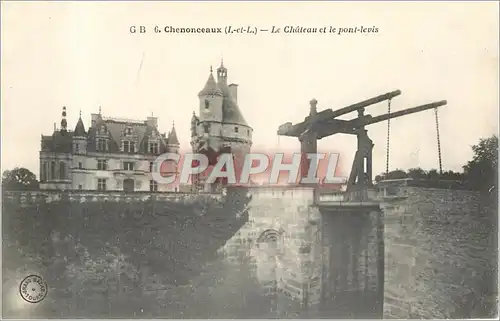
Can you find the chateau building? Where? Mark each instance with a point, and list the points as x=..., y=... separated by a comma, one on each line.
x=220, y=126
x=113, y=154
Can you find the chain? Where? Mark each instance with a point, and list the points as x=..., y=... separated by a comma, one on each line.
x=438, y=141
x=388, y=136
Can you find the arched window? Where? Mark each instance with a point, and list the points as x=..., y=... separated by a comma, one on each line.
x=62, y=170
x=53, y=170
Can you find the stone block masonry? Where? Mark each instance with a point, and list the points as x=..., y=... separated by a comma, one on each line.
x=282, y=243
x=441, y=256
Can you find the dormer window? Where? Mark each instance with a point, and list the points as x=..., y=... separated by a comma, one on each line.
x=101, y=145
x=153, y=148
x=207, y=104
x=128, y=131
x=102, y=130
x=128, y=146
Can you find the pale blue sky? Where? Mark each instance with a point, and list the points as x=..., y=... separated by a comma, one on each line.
x=82, y=55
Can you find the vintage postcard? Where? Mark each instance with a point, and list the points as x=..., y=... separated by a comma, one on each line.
x=230, y=160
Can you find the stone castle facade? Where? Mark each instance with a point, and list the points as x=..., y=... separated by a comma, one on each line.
x=118, y=155
x=220, y=126
x=112, y=155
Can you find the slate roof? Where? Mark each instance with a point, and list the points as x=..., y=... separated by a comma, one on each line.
x=61, y=141
x=231, y=112
x=172, y=137
x=80, y=128
x=210, y=87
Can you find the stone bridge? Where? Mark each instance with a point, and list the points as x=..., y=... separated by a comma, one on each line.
x=397, y=251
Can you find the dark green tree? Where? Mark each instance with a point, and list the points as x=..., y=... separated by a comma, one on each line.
x=482, y=171
x=19, y=179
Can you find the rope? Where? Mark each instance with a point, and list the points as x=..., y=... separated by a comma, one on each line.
x=438, y=141
x=388, y=136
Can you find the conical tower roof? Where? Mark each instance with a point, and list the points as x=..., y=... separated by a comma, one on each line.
x=211, y=87
x=79, y=128
x=172, y=137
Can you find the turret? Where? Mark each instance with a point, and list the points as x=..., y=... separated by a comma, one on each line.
x=79, y=137
x=211, y=98
x=194, y=125
x=172, y=140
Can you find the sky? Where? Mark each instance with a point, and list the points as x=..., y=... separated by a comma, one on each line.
x=82, y=56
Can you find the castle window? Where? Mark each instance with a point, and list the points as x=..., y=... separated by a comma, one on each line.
x=101, y=145
x=102, y=164
x=236, y=129
x=153, y=186
x=80, y=165
x=53, y=170
x=43, y=175
x=207, y=128
x=151, y=166
x=62, y=170
x=101, y=184
x=80, y=187
x=128, y=131
x=207, y=104
x=153, y=148
x=128, y=146
x=76, y=148
x=128, y=166
x=248, y=131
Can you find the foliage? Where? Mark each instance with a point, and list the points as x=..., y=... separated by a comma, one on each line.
x=395, y=174
x=482, y=171
x=19, y=179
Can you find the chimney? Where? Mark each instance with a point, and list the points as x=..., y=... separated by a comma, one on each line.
x=152, y=121
x=233, y=89
x=94, y=118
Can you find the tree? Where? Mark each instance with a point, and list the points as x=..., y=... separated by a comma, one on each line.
x=396, y=174
x=417, y=173
x=19, y=179
x=482, y=171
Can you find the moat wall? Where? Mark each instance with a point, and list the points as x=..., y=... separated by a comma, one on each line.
x=100, y=253
x=270, y=255
x=441, y=254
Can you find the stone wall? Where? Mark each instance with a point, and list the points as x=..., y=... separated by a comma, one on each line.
x=29, y=198
x=293, y=269
x=109, y=250
x=441, y=254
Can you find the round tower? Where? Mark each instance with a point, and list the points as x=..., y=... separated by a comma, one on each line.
x=221, y=127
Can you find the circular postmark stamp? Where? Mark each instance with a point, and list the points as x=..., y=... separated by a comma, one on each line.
x=33, y=289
